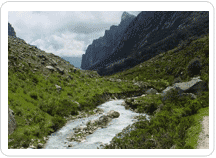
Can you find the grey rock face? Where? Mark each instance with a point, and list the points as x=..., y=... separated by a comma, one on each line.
x=147, y=35
x=101, y=48
x=11, y=121
x=11, y=31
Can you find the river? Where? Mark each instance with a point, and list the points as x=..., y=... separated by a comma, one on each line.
x=58, y=140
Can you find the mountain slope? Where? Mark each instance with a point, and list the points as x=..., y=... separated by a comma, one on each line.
x=176, y=121
x=11, y=31
x=152, y=33
x=101, y=48
x=44, y=91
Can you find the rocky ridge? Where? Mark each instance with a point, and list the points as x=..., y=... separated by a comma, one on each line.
x=101, y=48
x=11, y=31
x=149, y=34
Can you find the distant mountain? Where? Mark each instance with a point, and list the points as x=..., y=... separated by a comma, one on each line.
x=147, y=35
x=11, y=31
x=76, y=61
x=101, y=48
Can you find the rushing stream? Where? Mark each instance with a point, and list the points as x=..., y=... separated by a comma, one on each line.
x=59, y=140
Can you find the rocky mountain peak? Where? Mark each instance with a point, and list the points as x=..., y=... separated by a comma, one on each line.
x=11, y=31
x=126, y=15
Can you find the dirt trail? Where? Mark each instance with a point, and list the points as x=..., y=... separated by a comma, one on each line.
x=203, y=142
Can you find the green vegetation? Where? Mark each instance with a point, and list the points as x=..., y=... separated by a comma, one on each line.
x=40, y=108
x=172, y=127
x=162, y=69
x=175, y=122
x=194, y=131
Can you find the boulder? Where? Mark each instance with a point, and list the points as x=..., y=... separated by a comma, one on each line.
x=40, y=145
x=31, y=147
x=50, y=68
x=104, y=120
x=58, y=87
x=60, y=70
x=151, y=91
x=11, y=121
x=70, y=145
x=195, y=85
x=78, y=104
x=82, y=128
x=113, y=114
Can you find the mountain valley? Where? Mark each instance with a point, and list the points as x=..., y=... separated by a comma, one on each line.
x=149, y=73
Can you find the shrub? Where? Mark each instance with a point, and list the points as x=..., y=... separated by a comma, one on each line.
x=194, y=105
x=34, y=95
x=194, y=67
x=38, y=118
x=57, y=122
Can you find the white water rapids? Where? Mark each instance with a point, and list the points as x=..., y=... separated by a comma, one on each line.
x=58, y=139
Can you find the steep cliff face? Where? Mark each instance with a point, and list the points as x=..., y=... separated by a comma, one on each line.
x=11, y=31
x=151, y=33
x=101, y=48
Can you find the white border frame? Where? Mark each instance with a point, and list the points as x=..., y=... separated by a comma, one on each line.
x=99, y=6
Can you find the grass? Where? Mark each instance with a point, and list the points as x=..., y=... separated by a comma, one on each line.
x=40, y=109
x=174, y=122
x=162, y=69
x=174, y=126
x=194, y=131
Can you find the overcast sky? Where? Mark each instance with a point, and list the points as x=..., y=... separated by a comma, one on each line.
x=63, y=33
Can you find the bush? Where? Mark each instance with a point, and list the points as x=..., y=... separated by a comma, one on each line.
x=194, y=67
x=57, y=122
x=66, y=107
x=34, y=95
x=194, y=105
x=38, y=118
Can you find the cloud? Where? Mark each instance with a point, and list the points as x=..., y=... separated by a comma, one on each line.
x=61, y=45
x=65, y=32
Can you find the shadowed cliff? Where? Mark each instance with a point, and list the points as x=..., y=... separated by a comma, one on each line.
x=149, y=34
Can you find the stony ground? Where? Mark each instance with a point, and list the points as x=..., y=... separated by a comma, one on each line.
x=203, y=142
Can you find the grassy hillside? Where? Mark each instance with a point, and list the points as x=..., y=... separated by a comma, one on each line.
x=40, y=107
x=175, y=122
x=171, y=65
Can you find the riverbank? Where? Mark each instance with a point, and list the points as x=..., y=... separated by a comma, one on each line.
x=62, y=138
x=168, y=127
